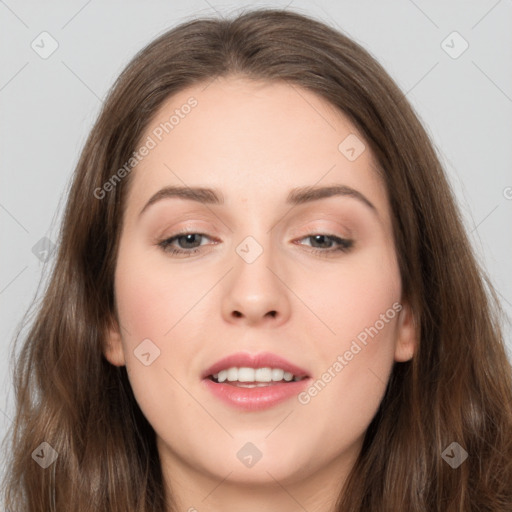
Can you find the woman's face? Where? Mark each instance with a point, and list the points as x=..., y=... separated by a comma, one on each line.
x=266, y=268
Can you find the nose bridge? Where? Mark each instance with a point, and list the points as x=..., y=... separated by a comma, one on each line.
x=254, y=258
x=256, y=238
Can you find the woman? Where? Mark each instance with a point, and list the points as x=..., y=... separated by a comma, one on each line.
x=331, y=346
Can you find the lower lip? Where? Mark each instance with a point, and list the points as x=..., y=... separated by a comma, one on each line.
x=257, y=398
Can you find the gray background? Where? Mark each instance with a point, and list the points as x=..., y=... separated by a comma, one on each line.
x=48, y=107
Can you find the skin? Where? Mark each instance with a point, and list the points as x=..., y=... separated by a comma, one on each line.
x=254, y=142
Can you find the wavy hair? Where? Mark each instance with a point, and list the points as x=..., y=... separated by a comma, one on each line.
x=456, y=388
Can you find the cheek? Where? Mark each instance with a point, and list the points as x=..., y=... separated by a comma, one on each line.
x=152, y=305
x=151, y=299
x=349, y=297
x=358, y=305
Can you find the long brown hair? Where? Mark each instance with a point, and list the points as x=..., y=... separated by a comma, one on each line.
x=457, y=388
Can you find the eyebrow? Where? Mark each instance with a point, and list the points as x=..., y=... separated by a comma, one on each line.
x=296, y=196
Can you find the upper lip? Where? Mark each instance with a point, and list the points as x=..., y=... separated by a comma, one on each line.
x=248, y=360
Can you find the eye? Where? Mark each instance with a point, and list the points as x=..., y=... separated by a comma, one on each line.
x=191, y=244
x=188, y=240
x=335, y=243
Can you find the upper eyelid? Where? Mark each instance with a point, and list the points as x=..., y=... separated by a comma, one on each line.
x=309, y=234
x=295, y=231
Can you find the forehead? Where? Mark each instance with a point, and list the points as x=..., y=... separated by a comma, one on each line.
x=252, y=139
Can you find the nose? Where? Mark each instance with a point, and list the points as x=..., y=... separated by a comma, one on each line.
x=256, y=292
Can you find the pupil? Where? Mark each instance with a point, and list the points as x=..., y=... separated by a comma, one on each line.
x=316, y=237
x=187, y=237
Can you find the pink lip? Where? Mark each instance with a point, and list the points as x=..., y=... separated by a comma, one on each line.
x=261, y=360
x=257, y=398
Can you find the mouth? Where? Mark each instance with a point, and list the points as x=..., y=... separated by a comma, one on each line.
x=263, y=368
x=254, y=396
x=245, y=377
x=254, y=382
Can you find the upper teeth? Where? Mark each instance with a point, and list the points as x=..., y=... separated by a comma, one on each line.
x=253, y=375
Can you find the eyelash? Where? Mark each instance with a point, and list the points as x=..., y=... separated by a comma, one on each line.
x=344, y=244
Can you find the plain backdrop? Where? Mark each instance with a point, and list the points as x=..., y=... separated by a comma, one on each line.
x=452, y=59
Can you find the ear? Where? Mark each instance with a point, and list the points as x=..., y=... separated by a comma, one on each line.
x=112, y=345
x=407, y=338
